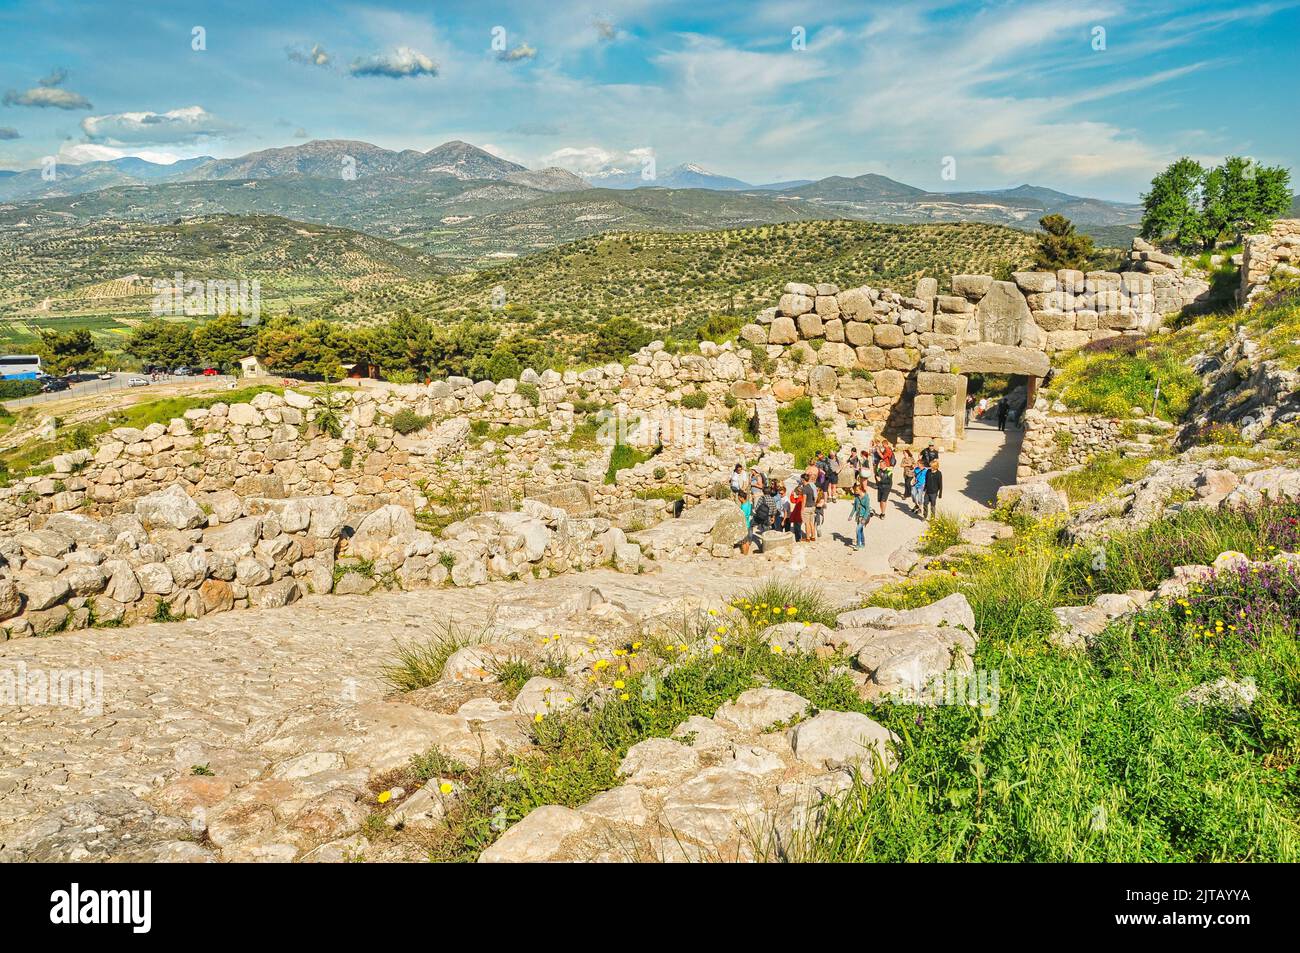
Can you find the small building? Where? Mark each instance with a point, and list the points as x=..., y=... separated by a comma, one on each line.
x=361, y=370
x=251, y=367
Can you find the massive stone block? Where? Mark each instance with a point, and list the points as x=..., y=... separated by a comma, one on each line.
x=1003, y=314
x=1000, y=359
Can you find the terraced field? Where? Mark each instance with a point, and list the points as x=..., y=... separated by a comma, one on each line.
x=677, y=280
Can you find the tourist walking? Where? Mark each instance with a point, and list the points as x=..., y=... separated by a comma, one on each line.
x=819, y=511
x=860, y=512
x=1002, y=414
x=970, y=402
x=832, y=475
x=908, y=464
x=929, y=454
x=933, y=489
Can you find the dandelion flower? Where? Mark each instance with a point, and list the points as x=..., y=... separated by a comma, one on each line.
x=776, y=649
x=618, y=683
x=717, y=650
x=384, y=797
x=537, y=717
x=445, y=788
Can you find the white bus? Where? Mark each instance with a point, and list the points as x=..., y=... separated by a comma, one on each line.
x=20, y=367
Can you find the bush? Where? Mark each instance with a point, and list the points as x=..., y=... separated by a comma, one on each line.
x=11, y=390
x=530, y=393
x=407, y=421
x=801, y=434
x=623, y=457
x=696, y=400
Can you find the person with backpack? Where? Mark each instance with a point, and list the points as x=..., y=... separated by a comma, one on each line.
x=747, y=511
x=884, y=476
x=832, y=475
x=908, y=464
x=929, y=454
x=861, y=513
x=918, y=487
x=933, y=489
x=1003, y=410
x=810, y=494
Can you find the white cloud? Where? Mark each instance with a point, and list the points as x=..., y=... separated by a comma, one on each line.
x=316, y=56
x=187, y=124
x=594, y=160
x=90, y=152
x=47, y=97
x=400, y=63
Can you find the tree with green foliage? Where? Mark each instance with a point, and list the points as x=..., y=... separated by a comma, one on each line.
x=223, y=341
x=290, y=346
x=1190, y=206
x=63, y=352
x=617, y=337
x=163, y=343
x=1171, y=211
x=1060, y=246
x=1241, y=196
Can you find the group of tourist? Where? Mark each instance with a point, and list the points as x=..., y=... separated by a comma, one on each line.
x=1000, y=409
x=768, y=504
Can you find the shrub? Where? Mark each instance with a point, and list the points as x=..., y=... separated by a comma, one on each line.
x=944, y=530
x=623, y=457
x=801, y=434
x=407, y=421
x=530, y=393
x=695, y=400
x=11, y=390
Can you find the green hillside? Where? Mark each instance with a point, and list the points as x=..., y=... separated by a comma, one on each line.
x=100, y=276
x=678, y=280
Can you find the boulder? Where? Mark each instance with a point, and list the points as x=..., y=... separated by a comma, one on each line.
x=537, y=838
x=759, y=708
x=836, y=739
x=170, y=508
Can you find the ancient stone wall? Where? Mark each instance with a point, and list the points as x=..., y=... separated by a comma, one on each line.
x=1265, y=256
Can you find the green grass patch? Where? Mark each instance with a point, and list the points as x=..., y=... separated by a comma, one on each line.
x=802, y=435
x=1122, y=373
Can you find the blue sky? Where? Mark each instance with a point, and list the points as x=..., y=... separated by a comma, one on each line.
x=1013, y=92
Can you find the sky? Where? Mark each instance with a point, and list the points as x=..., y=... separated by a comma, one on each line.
x=1089, y=96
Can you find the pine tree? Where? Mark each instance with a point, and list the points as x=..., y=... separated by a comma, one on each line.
x=1060, y=246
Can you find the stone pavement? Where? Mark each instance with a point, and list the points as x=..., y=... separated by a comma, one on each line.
x=283, y=706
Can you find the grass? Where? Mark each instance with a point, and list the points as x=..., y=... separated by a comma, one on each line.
x=575, y=754
x=1086, y=756
x=943, y=530
x=802, y=435
x=622, y=457
x=1116, y=375
x=418, y=664
x=1101, y=475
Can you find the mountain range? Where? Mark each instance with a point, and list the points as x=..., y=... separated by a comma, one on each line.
x=462, y=203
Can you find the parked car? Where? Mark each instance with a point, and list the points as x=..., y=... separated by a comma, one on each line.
x=209, y=372
x=182, y=372
x=106, y=376
x=137, y=382
x=53, y=384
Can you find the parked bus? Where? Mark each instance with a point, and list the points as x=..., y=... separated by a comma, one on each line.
x=20, y=367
